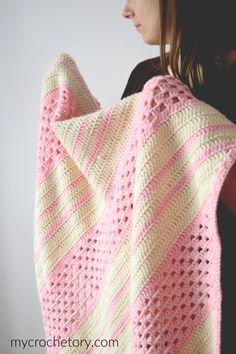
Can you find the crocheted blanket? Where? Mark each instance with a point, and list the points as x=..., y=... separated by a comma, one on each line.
x=127, y=247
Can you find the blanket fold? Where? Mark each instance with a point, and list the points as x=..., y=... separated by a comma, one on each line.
x=126, y=242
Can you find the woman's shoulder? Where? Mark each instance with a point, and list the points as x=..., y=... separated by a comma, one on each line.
x=140, y=74
x=152, y=64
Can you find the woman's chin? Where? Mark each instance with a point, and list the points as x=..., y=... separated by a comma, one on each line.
x=150, y=41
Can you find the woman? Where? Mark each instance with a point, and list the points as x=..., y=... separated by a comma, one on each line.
x=202, y=40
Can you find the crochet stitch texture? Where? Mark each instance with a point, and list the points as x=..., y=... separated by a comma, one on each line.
x=126, y=241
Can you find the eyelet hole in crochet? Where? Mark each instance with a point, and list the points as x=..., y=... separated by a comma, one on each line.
x=175, y=99
x=156, y=90
x=166, y=95
x=161, y=107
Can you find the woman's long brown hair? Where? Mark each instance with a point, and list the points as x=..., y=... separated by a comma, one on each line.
x=198, y=31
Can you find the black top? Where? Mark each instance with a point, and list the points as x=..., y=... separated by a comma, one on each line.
x=221, y=94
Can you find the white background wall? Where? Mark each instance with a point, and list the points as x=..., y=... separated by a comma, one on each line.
x=106, y=48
